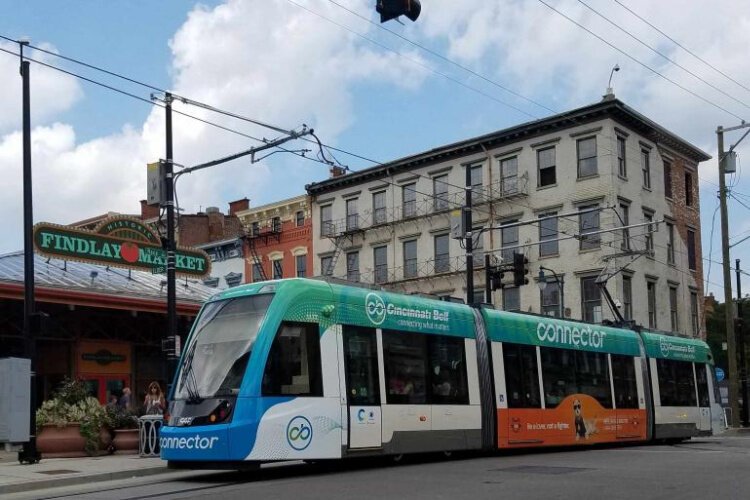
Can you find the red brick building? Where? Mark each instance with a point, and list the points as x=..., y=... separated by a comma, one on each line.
x=278, y=242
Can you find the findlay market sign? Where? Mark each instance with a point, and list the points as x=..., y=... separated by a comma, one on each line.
x=119, y=242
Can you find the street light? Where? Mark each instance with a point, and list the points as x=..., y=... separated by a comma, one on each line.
x=542, y=284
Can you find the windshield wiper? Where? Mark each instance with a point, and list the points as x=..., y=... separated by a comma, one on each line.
x=187, y=373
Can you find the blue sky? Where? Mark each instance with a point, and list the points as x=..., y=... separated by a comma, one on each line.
x=276, y=61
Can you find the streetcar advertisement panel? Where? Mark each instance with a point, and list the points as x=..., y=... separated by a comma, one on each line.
x=578, y=419
x=676, y=348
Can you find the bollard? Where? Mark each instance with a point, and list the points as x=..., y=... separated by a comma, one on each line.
x=148, y=433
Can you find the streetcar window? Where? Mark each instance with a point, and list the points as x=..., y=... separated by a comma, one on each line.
x=676, y=383
x=293, y=366
x=592, y=376
x=361, y=356
x=623, y=378
x=700, y=375
x=566, y=372
x=559, y=375
x=448, y=379
x=521, y=376
x=405, y=360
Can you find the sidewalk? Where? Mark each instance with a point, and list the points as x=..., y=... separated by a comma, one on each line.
x=55, y=472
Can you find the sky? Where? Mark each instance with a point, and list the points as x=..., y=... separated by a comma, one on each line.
x=462, y=69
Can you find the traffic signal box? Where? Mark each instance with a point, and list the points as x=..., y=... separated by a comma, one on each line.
x=391, y=9
x=520, y=269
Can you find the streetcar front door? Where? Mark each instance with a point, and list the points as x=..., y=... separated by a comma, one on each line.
x=362, y=387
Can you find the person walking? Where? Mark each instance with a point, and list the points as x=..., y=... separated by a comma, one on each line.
x=124, y=402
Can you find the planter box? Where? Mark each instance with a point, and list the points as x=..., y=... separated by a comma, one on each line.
x=126, y=441
x=61, y=442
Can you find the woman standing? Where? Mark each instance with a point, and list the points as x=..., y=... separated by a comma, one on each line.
x=154, y=403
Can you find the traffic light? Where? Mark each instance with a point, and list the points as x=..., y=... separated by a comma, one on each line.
x=495, y=276
x=391, y=9
x=520, y=269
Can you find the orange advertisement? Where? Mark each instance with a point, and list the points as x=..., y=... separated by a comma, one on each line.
x=103, y=357
x=578, y=419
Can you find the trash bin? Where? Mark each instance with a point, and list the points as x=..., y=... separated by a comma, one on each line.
x=149, y=427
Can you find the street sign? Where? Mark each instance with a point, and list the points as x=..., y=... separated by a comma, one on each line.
x=719, y=374
x=158, y=269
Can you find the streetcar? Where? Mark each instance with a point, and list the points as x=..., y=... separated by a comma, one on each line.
x=302, y=369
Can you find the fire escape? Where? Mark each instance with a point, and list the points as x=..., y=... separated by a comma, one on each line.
x=262, y=232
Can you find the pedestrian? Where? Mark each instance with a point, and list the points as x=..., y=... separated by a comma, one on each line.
x=154, y=403
x=124, y=402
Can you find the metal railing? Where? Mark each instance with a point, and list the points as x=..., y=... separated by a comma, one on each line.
x=149, y=427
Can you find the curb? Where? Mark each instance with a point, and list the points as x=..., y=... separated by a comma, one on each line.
x=73, y=481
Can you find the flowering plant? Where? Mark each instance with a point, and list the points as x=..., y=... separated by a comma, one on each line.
x=72, y=404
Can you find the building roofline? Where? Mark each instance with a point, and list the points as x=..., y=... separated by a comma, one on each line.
x=612, y=108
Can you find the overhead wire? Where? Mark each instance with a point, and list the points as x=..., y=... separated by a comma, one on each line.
x=626, y=54
x=661, y=54
x=680, y=45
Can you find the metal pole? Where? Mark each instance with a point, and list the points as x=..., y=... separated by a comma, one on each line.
x=741, y=347
x=487, y=284
x=729, y=316
x=469, y=242
x=561, y=284
x=29, y=454
x=171, y=284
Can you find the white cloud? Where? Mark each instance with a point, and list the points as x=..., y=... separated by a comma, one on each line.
x=51, y=92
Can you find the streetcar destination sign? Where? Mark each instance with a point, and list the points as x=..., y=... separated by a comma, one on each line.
x=137, y=248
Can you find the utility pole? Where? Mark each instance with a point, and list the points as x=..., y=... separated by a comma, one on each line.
x=171, y=246
x=728, y=309
x=741, y=346
x=29, y=453
x=468, y=241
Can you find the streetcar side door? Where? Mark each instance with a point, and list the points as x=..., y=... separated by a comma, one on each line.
x=362, y=387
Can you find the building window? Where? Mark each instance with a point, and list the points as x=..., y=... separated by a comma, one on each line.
x=378, y=208
x=627, y=297
x=380, y=257
x=352, y=266
x=254, y=228
x=694, y=312
x=622, y=166
x=276, y=224
x=477, y=186
x=409, y=198
x=410, y=259
x=668, y=179
x=673, y=319
x=440, y=192
x=326, y=220
x=548, y=233
x=509, y=176
x=688, y=189
x=646, y=167
x=278, y=269
x=625, y=215
x=442, y=254
x=477, y=247
x=670, y=243
x=300, y=218
x=512, y=299
x=326, y=268
x=588, y=222
x=591, y=300
x=586, y=157
x=301, y=261
x=651, y=298
x=649, y=217
x=478, y=296
x=352, y=214
x=509, y=237
x=691, y=250
x=257, y=272
x=545, y=159
x=550, y=299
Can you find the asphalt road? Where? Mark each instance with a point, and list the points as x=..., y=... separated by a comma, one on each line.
x=713, y=468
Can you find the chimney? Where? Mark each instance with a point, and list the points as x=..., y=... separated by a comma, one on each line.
x=337, y=171
x=238, y=206
x=149, y=211
x=215, y=224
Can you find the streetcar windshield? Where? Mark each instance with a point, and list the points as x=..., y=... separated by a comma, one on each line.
x=215, y=360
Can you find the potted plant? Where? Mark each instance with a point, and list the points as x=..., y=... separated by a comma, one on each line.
x=124, y=424
x=71, y=423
